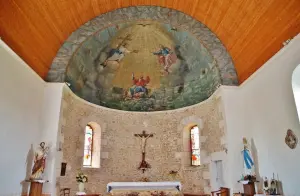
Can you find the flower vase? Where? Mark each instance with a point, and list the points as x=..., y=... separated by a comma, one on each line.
x=81, y=187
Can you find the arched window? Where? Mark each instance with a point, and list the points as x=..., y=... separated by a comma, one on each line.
x=91, y=140
x=88, y=146
x=195, y=145
x=296, y=88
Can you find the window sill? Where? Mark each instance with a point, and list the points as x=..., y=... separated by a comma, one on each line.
x=89, y=167
x=193, y=168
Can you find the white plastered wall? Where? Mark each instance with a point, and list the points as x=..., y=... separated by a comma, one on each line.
x=262, y=109
x=29, y=114
x=21, y=100
x=50, y=131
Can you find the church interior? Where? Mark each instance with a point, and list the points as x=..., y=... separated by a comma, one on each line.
x=150, y=97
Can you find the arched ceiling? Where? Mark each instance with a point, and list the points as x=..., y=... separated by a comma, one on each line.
x=143, y=58
x=251, y=30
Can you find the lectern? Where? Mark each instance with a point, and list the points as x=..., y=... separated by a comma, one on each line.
x=36, y=187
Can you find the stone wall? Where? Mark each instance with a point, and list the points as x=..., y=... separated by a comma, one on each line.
x=121, y=151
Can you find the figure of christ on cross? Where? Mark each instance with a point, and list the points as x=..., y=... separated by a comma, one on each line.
x=144, y=136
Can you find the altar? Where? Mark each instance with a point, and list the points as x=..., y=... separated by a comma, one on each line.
x=144, y=188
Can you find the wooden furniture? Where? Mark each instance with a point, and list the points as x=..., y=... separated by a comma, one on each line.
x=36, y=187
x=65, y=192
x=92, y=194
x=238, y=194
x=222, y=192
x=249, y=189
x=242, y=194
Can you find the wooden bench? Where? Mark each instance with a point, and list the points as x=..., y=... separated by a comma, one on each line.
x=222, y=192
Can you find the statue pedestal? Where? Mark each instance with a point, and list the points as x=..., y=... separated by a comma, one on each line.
x=36, y=187
x=249, y=187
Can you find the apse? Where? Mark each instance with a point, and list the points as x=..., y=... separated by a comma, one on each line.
x=143, y=58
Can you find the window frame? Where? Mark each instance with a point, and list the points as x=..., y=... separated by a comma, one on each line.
x=194, y=149
x=92, y=146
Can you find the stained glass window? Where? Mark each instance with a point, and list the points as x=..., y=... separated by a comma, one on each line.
x=88, y=146
x=195, y=146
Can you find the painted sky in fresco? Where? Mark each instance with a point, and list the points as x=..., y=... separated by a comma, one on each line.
x=143, y=66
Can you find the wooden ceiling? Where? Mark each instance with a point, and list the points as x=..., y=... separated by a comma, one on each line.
x=251, y=30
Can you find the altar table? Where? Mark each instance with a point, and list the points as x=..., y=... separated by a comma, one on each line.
x=144, y=188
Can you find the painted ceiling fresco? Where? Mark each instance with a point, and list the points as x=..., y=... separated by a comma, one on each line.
x=143, y=63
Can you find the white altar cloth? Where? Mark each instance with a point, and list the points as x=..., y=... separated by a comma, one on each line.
x=143, y=186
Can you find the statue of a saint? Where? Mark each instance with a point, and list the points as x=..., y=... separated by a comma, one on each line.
x=39, y=162
x=248, y=160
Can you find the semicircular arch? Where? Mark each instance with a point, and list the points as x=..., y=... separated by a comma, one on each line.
x=191, y=42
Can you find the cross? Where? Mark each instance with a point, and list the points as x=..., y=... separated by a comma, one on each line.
x=144, y=136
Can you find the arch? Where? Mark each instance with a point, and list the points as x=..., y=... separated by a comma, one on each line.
x=179, y=19
x=92, y=153
x=185, y=127
x=219, y=68
x=296, y=88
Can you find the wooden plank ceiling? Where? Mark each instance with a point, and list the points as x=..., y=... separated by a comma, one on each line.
x=251, y=30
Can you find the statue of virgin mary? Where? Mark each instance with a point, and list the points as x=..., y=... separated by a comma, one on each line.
x=248, y=159
x=39, y=162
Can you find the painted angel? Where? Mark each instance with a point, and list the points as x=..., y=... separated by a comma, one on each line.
x=117, y=54
x=166, y=57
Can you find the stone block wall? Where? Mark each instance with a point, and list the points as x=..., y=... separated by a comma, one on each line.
x=121, y=151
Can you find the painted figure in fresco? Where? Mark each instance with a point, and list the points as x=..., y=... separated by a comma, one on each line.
x=117, y=54
x=166, y=57
x=139, y=88
x=39, y=162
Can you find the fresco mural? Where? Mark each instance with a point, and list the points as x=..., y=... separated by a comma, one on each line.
x=143, y=66
x=143, y=58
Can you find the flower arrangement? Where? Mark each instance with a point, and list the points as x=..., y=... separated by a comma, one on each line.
x=248, y=178
x=81, y=178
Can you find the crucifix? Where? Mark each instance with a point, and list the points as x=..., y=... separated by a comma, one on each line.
x=144, y=136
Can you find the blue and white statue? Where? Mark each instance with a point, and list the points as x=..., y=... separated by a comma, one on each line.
x=248, y=159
